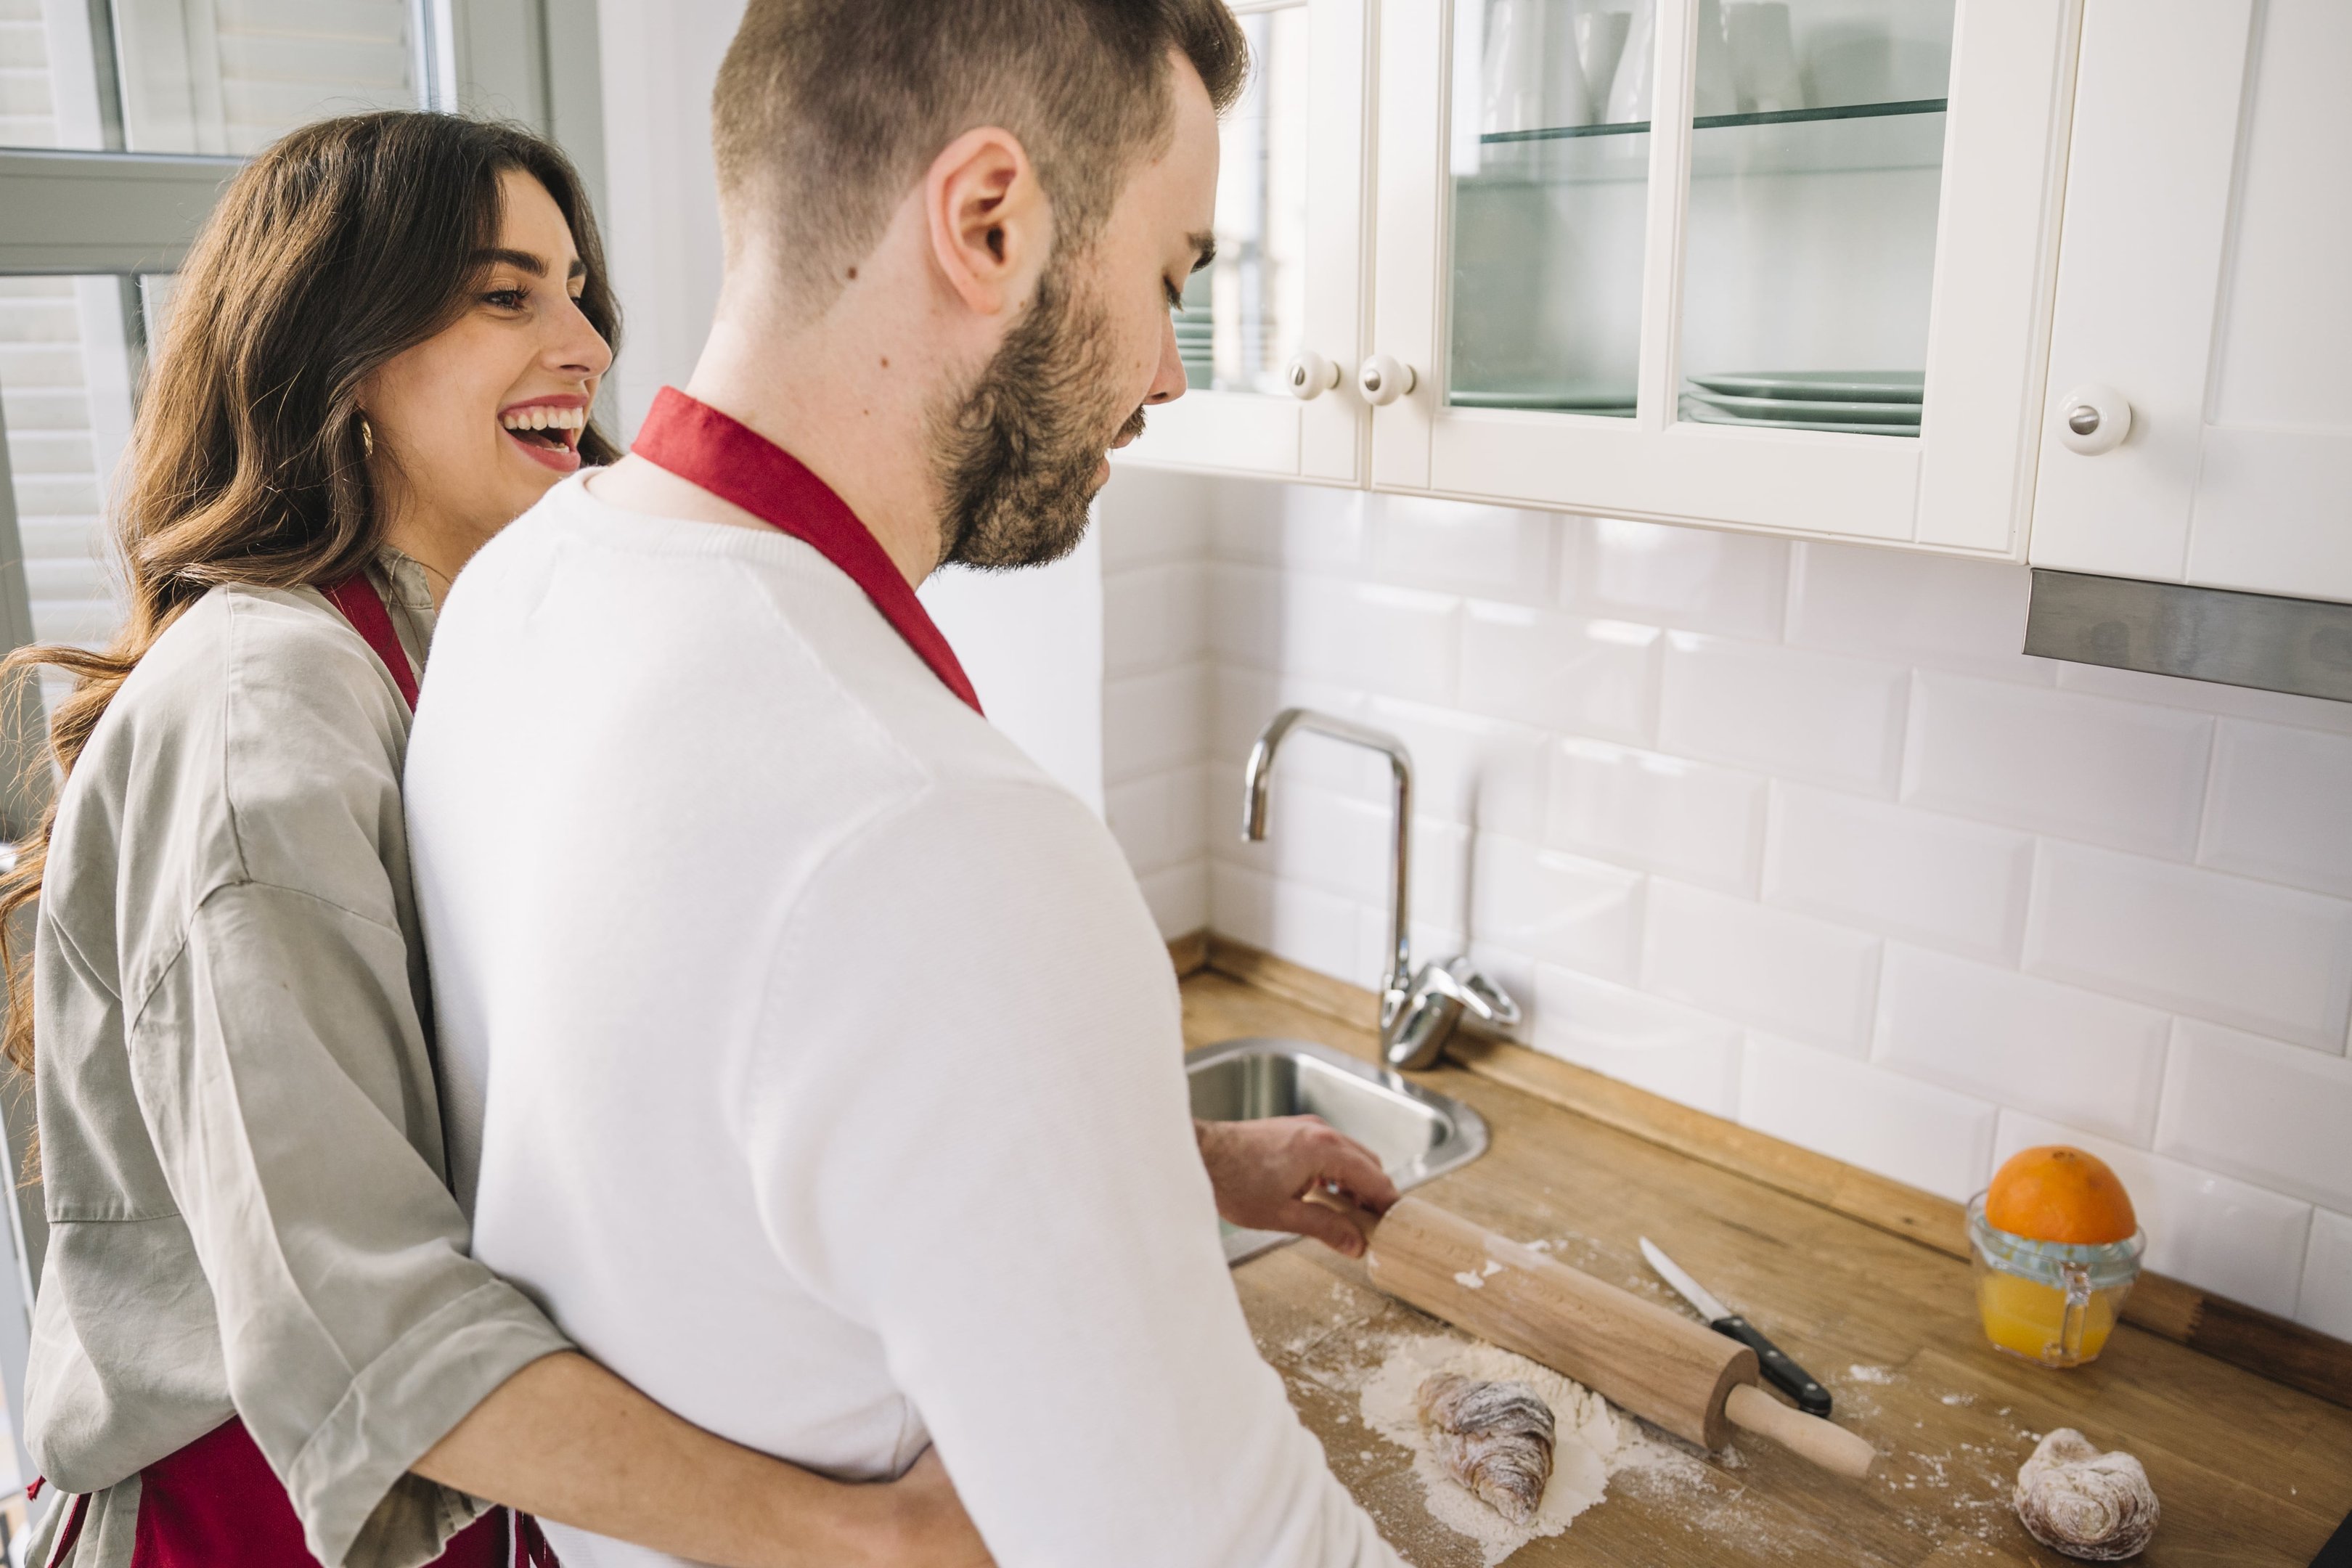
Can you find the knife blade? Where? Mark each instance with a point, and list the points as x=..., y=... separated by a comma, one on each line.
x=1786, y=1375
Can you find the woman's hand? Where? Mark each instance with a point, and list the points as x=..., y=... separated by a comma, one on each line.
x=927, y=1527
x=565, y=1439
x=1262, y=1172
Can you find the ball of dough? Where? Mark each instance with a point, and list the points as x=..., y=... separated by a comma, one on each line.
x=1495, y=1438
x=2073, y=1499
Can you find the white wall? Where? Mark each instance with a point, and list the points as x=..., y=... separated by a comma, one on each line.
x=662, y=228
x=1788, y=832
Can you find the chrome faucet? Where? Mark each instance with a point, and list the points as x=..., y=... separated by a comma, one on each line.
x=1418, y=1012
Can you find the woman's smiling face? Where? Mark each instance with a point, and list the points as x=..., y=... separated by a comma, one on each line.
x=475, y=423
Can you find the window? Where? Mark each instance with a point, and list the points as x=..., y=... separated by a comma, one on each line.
x=120, y=121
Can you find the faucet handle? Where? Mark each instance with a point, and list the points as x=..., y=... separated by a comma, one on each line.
x=1416, y=1022
x=1483, y=998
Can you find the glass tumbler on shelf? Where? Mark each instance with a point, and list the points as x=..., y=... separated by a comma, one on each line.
x=2049, y=1301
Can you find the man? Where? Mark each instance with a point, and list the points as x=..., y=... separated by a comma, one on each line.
x=813, y=1056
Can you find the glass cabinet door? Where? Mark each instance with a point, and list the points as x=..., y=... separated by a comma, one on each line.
x=1270, y=332
x=1768, y=263
x=1817, y=153
x=1549, y=164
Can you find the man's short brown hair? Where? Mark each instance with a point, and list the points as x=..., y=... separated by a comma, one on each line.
x=827, y=110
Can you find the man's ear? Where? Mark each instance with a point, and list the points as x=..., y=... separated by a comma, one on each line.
x=991, y=226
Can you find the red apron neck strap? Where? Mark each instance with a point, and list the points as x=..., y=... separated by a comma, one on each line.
x=362, y=606
x=736, y=463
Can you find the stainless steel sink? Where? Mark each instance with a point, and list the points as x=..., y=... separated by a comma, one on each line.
x=1416, y=1134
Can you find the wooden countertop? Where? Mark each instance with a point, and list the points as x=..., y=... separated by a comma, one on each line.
x=2248, y=1471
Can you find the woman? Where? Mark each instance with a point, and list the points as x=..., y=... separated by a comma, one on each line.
x=260, y=1339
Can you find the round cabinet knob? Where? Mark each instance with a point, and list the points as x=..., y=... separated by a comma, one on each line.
x=2093, y=419
x=1310, y=375
x=1382, y=380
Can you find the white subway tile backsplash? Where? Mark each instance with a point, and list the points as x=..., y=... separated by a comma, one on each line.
x=1496, y=551
x=2282, y=806
x=1153, y=723
x=1153, y=616
x=1398, y=642
x=1293, y=525
x=1935, y=610
x=2326, y=1302
x=1157, y=817
x=1917, y=874
x=1476, y=772
x=1695, y=578
x=1242, y=701
x=1304, y=925
x=1985, y=879
x=1178, y=897
x=2205, y=697
x=1556, y=907
x=2275, y=1114
x=1152, y=514
x=1676, y=1051
x=2266, y=958
x=2056, y=761
x=1694, y=820
x=2072, y=1056
x=2215, y=1232
x=1907, y=1130
x=1766, y=967
x=1244, y=615
x=1561, y=672
x=1344, y=846
x=1395, y=642
x=1797, y=714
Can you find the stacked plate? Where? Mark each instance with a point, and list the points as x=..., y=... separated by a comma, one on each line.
x=1851, y=401
x=1606, y=400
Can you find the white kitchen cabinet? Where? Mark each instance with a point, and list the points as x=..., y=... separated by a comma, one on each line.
x=1763, y=191
x=2202, y=288
x=1578, y=207
x=1288, y=284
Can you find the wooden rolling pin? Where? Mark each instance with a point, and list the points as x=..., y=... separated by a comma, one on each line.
x=1657, y=1363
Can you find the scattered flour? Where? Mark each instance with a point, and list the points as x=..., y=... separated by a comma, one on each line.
x=1593, y=1442
x=1878, y=1375
x=1469, y=1281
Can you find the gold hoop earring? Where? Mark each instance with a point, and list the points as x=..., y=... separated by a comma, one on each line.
x=367, y=438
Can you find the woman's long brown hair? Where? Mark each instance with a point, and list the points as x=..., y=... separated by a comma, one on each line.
x=343, y=244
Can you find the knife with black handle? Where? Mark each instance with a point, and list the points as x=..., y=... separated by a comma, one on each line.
x=1785, y=1375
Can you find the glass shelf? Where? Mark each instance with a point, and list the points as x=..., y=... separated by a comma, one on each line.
x=1729, y=121
x=1847, y=139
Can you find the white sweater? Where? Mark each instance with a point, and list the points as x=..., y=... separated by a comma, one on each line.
x=811, y=1057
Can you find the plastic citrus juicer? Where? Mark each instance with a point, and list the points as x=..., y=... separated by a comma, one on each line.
x=2052, y=1302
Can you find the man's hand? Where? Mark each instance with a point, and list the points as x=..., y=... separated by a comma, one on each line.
x=1262, y=1172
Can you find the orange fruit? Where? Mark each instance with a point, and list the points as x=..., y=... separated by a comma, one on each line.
x=2057, y=1194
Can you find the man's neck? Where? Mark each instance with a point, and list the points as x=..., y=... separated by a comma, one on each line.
x=846, y=403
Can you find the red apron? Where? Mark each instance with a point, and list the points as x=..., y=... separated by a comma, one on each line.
x=217, y=1503
x=736, y=463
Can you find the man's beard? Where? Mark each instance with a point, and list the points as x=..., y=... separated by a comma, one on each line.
x=1017, y=456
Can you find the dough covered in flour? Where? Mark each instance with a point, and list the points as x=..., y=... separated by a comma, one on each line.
x=1495, y=1438
x=2089, y=1505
